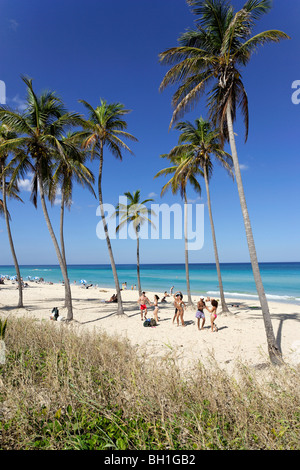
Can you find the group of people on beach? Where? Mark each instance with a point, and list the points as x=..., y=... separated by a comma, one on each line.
x=143, y=301
x=179, y=309
x=124, y=286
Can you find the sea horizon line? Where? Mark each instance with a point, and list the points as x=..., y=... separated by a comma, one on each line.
x=154, y=264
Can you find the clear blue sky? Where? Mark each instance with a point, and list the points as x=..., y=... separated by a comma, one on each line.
x=109, y=49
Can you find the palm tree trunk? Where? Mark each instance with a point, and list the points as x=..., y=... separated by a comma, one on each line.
x=62, y=241
x=138, y=263
x=186, y=252
x=68, y=296
x=20, y=302
x=274, y=351
x=112, y=261
x=223, y=303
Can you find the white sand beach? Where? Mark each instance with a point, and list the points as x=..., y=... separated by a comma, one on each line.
x=240, y=336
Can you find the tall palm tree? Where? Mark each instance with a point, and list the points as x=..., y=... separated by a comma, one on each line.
x=38, y=131
x=137, y=213
x=184, y=171
x=105, y=126
x=67, y=170
x=200, y=142
x=5, y=134
x=209, y=58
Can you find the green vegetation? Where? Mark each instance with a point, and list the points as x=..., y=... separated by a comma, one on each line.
x=62, y=390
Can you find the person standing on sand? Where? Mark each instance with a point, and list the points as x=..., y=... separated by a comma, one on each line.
x=177, y=294
x=155, y=313
x=213, y=314
x=142, y=303
x=179, y=306
x=200, y=313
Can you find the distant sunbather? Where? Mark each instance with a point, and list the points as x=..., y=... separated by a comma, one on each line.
x=164, y=297
x=113, y=298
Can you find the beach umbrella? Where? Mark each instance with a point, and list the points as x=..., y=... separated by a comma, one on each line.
x=83, y=281
x=13, y=278
x=36, y=278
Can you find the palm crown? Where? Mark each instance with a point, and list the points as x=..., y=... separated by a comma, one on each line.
x=210, y=57
x=6, y=134
x=135, y=211
x=105, y=126
x=70, y=168
x=38, y=136
x=183, y=171
x=199, y=142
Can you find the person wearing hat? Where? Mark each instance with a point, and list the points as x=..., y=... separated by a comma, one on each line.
x=179, y=308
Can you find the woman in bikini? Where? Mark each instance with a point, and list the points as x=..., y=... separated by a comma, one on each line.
x=213, y=314
x=155, y=313
x=179, y=305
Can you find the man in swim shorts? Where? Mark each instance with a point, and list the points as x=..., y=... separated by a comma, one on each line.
x=142, y=303
x=200, y=313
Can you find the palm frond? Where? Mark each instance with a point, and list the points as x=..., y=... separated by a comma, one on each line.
x=244, y=52
x=190, y=99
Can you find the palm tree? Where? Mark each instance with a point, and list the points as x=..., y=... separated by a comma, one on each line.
x=200, y=142
x=67, y=170
x=184, y=171
x=134, y=212
x=6, y=134
x=105, y=127
x=210, y=57
x=39, y=131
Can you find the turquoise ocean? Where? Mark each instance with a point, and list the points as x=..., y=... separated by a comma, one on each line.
x=281, y=280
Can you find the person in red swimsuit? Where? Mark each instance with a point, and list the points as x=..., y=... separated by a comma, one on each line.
x=142, y=303
x=213, y=314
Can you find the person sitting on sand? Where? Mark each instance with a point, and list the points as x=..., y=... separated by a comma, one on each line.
x=213, y=314
x=113, y=298
x=179, y=306
x=163, y=300
x=200, y=314
x=142, y=303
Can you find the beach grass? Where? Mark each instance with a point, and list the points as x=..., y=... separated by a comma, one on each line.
x=64, y=390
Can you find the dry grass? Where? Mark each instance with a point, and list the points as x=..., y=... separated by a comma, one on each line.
x=61, y=390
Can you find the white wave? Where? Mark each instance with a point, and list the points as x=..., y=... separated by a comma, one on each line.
x=41, y=270
x=255, y=297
